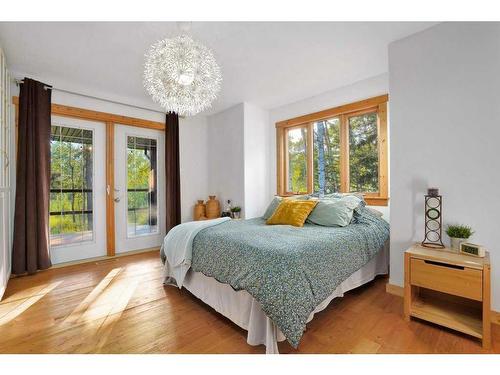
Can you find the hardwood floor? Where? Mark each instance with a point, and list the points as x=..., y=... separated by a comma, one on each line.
x=121, y=306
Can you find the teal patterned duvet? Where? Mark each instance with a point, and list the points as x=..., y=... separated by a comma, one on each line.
x=288, y=270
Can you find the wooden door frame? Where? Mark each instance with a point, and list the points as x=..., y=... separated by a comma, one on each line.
x=109, y=120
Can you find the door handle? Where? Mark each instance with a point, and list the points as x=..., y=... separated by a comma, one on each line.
x=116, y=198
x=108, y=191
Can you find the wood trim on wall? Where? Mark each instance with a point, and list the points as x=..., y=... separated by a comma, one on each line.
x=383, y=151
x=394, y=289
x=87, y=114
x=397, y=290
x=310, y=157
x=110, y=188
x=280, y=153
x=333, y=112
x=344, y=155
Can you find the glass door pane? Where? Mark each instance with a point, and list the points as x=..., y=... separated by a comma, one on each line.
x=141, y=186
x=77, y=188
x=71, y=186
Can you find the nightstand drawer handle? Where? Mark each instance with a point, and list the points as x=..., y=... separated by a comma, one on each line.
x=444, y=264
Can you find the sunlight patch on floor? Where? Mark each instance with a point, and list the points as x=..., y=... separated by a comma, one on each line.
x=27, y=303
x=101, y=315
x=92, y=297
x=23, y=294
x=99, y=312
x=115, y=313
x=111, y=299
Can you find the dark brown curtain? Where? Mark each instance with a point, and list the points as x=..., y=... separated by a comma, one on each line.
x=30, y=250
x=172, y=168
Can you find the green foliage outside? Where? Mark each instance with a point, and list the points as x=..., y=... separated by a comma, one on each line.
x=141, y=183
x=326, y=154
x=71, y=197
x=363, y=153
x=297, y=156
x=70, y=180
x=363, y=156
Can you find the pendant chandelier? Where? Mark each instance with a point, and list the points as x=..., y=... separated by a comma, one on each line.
x=182, y=75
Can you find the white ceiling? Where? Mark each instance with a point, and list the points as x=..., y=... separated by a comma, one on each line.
x=266, y=63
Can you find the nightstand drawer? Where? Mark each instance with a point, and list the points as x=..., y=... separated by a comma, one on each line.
x=447, y=278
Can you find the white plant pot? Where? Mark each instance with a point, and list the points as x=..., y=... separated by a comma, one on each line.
x=455, y=242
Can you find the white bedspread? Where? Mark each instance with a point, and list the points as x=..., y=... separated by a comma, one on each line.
x=178, y=247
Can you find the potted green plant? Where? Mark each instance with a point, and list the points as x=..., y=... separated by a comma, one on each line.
x=458, y=234
x=236, y=211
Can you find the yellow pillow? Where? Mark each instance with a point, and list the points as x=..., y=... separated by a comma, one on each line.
x=292, y=212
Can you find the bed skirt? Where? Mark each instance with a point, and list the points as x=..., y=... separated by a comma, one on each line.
x=242, y=309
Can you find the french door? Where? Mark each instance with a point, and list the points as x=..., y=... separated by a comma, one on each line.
x=78, y=189
x=139, y=188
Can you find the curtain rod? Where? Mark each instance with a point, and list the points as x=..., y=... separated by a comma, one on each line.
x=48, y=87
x=19, y=81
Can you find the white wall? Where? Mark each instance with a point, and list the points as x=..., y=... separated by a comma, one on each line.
x=367, y=88
x=193, y=135
x=257, y=160
x=445, y=111
x=226, y=176
x=238, y=158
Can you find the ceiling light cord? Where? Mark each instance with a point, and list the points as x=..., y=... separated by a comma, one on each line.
x=184, y=27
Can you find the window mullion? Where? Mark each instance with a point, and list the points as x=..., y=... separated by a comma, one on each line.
x=280, y=173
x=286, y=160
x=310, y=158
x=344, y=154
x=382, y=150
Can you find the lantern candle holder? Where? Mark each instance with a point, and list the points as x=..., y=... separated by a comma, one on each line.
x=433, y=220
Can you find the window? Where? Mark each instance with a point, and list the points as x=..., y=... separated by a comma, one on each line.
x=343, y=149
x=297, y=160
x=363, y=153
x=326, y=156
x=141, y=186
x=71, y=186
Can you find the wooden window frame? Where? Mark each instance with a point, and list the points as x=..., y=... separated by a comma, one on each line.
x=376, y=104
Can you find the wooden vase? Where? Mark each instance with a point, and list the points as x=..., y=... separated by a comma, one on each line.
x=199, y=211
x=213, y=207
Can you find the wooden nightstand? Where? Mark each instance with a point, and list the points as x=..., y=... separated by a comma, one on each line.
x=450, y=289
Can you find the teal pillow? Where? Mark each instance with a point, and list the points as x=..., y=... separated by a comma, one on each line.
x=272, y=207
x=276, y=202
x=343, y=195
x=334, y=212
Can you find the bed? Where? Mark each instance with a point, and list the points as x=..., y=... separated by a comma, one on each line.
x=271, y=279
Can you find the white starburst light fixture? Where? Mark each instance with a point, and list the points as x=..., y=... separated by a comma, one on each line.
x=182, y=75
